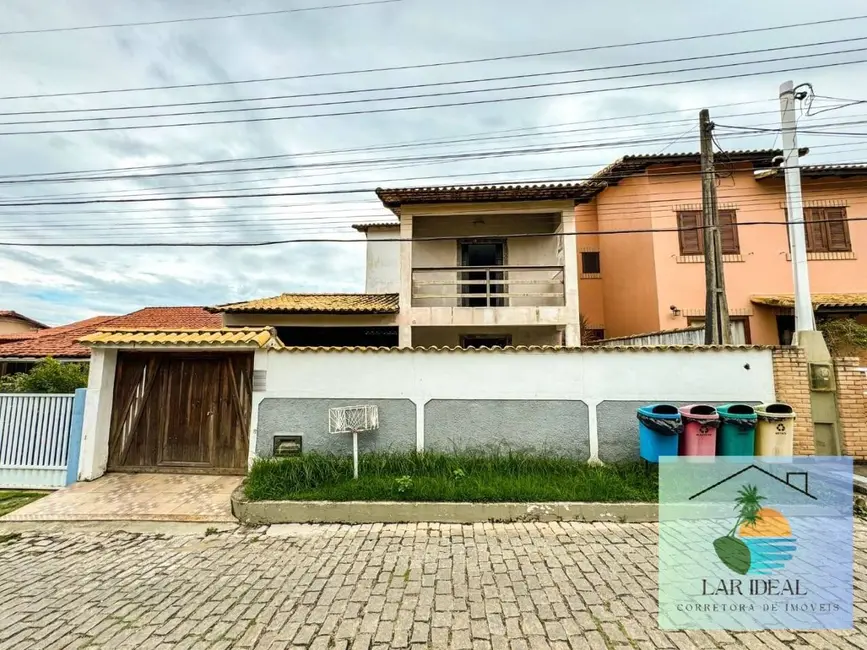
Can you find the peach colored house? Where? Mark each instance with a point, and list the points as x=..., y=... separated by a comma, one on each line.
x=637, y=282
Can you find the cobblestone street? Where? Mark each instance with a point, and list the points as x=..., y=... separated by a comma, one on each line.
x=517, y=586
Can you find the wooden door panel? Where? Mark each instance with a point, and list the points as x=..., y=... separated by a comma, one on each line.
x=181, y=411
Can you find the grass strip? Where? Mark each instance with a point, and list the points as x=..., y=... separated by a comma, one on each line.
x=498, y=477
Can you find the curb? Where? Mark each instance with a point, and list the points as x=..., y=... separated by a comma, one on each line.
x=399, y=512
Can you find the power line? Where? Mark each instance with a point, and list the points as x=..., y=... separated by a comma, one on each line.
x=438, y=64
x=742, y=199
x=394, y=109
x=435, y=84
x=275, y=242
x=428, y=141
x=446, y=93
x=468, y=155
x=196, y=19
x=257, y=181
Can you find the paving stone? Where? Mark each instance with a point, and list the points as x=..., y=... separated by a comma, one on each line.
x=522, y=586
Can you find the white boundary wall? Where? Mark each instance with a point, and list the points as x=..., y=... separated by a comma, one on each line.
x=586, y=374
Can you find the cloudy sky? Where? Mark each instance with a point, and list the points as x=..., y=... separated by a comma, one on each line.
x=321, y=160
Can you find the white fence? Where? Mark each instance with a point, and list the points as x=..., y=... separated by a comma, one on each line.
x=34, y=440
x=684, y=336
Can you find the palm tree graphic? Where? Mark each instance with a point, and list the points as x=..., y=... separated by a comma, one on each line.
x=733, y=552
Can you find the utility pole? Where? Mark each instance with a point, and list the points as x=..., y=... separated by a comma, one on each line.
x=717, y=329
x=797, y=234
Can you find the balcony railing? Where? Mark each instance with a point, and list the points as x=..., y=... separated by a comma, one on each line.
x=488, y=286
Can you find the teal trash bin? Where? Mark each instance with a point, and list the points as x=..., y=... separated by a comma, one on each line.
x=658, y=431
x=737, y=431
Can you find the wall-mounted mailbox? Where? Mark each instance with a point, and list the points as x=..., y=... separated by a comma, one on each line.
x=287, y=445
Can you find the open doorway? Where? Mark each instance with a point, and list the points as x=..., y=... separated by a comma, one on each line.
x=482, y=289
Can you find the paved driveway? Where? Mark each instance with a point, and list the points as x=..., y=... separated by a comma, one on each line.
x=137, y=497
x=516, y=586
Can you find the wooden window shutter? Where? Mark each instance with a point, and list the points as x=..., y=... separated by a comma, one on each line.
x=816, y=240
x=837, y=229
x=690, y=234
x=728, y=230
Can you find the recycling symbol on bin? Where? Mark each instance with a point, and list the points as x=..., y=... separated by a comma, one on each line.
x=703, y=429
x=781, y=428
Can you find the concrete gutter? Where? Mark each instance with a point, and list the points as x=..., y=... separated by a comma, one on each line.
x=395, y=512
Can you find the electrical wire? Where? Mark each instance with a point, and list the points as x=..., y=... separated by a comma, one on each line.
x=529, y=75
x=438, y=64
x=392, y=109
x=275, y=242
x=275, y=12
x=470, y=137
x=742, y=202
x=446, y=93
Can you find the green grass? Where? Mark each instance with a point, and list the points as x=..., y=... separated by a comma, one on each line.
x=13, y=499
x=495, y=477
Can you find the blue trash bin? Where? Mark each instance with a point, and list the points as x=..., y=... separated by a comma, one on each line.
x=659, y=428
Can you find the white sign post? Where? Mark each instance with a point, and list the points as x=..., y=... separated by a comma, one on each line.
x=354, y=420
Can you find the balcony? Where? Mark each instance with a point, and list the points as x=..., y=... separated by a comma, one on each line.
x=488, y=286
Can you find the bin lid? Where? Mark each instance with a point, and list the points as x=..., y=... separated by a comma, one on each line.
x=699, y=412
x=660, y=411
x=775, y=411
x=737, y=411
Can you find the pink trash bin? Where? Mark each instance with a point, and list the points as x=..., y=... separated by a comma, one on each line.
x=700, y=422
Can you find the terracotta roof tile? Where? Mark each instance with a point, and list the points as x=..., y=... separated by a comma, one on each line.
x=819, y=300
x=578, y=191
x=258, y=337
x=317, y=303
x=63, y=342
x=590, y=349
x=364, y=227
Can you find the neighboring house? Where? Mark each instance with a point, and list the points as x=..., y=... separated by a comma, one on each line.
x=644, y=282
x=61, y=343
x=12, y=324
x=472, y=277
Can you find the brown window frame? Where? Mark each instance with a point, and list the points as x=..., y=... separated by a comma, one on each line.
x=728, y=226
x=819, y=235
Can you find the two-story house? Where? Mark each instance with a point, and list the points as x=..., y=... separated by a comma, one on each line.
x=646, y=265
x=462, y=266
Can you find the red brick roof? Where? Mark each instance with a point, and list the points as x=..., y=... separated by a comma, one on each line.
x=63, y=342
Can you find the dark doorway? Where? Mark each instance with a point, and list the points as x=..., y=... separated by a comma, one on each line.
x=486, y=341
x=486, y=253
x=785, y=329
x=336, y=337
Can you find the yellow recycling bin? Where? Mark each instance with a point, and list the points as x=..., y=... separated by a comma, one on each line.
x=775, y=431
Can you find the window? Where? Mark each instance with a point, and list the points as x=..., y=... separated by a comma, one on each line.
x=486, y=341
x=593, y=335
x=827, y=230
x=692, y=241
x=590, y=263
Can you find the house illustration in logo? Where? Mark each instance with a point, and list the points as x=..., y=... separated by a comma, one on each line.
x=761, y=540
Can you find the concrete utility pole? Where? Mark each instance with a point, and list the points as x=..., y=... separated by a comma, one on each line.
x=804, y=321
x=717, y=329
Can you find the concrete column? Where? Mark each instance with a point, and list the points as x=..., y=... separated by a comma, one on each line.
x=97, y=414
x=570, y=279
x=404, y=318
x=260, y=363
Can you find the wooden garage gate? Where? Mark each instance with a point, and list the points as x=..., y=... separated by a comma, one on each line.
x=181, y=412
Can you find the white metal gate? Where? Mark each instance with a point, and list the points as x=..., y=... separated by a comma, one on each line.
x=34, y=440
